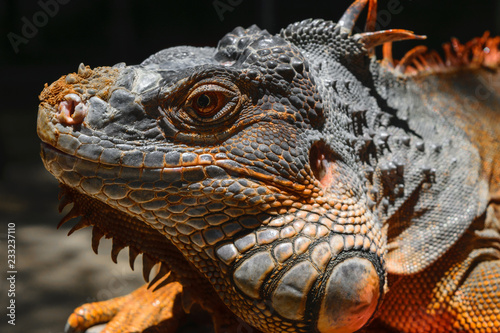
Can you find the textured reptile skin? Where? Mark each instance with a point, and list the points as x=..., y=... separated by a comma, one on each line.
x=290, y=182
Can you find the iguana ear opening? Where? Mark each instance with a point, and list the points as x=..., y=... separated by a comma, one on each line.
x=322, y=162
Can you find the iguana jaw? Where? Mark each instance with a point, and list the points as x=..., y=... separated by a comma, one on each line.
x=278, y=242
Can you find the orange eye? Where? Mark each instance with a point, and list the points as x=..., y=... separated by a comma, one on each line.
x=209, y=103
x=206, y=104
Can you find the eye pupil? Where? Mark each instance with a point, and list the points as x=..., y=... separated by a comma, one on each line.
x=207, y=103
x=203, y=101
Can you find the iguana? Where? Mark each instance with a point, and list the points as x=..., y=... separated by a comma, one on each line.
x=290, y=182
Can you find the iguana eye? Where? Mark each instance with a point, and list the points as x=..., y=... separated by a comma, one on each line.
x=209, y=102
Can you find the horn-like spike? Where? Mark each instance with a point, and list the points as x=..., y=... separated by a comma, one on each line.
x=97, y=234
x=62, y=191
x=457, y=47
x=187, y=300
x=132, y=254
x=371, y=20
x=115, y=249
x=409, y=57
x=418, y=64
x=426, y=61
x=74, y=212
x=147, y=265
x=492, y=58
x=64, y=201
x=476, y=47
x=169, y=279
x=348, y=20
x=83, y=223
x=372, y=39
x=448, y=55
x=161, y=273
x=387, y=54
x=435, y=58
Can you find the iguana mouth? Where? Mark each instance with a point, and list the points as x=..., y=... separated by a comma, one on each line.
x=190, y=167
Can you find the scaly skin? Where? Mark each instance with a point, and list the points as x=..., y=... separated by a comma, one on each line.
x=164, y=295
x=289, y=182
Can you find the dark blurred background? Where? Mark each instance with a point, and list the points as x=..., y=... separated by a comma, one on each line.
x=42, y=40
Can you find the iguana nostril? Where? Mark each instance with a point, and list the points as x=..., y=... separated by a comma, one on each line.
x=72, y=110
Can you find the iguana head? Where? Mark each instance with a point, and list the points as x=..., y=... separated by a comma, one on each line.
x=247, y=158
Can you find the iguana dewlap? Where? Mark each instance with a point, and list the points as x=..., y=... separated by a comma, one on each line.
x=290, y=182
